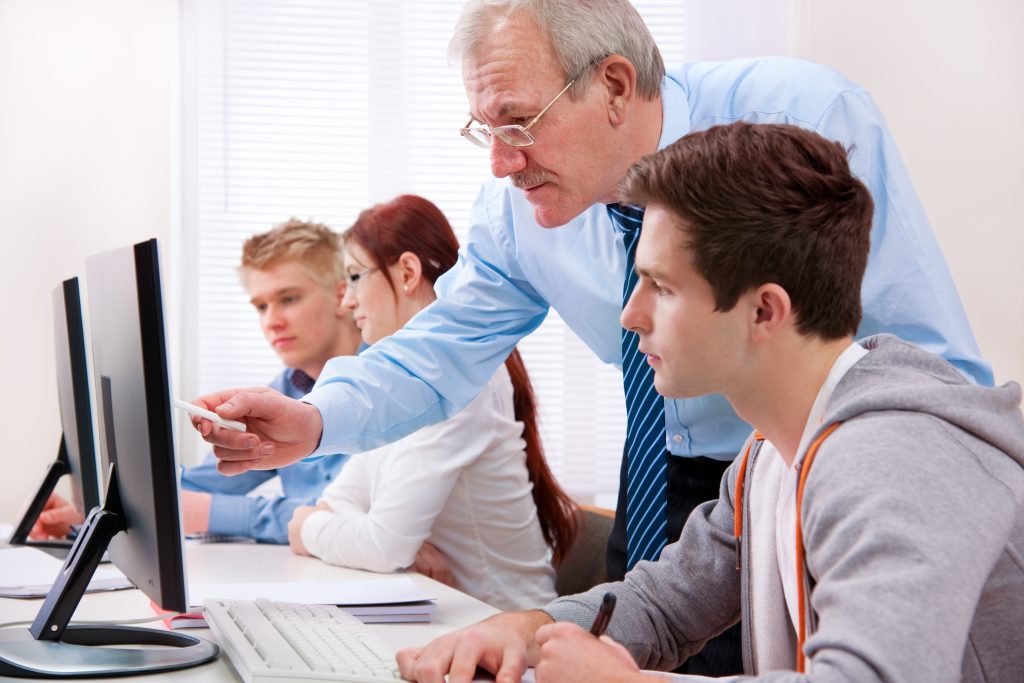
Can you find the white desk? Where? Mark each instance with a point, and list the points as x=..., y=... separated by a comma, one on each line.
x=265, y=563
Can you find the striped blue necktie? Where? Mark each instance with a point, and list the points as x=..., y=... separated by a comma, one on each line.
x=646, y=485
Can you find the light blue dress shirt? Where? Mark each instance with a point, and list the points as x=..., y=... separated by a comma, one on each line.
x=266, y=519
x=510, y=272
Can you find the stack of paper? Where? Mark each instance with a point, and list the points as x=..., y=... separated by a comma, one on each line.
x=29, y=572
x=372, y=601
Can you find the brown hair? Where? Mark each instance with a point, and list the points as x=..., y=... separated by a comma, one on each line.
x=314, y=246
x=413, y=224
x=767, y=203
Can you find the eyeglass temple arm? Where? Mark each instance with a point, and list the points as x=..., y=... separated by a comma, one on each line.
x=550, y=104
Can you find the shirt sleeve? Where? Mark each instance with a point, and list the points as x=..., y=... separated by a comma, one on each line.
x=205, y=478
x=234, y=513
x=908, y=289
x=436, y=364
x=259, y=517
x=420, y=473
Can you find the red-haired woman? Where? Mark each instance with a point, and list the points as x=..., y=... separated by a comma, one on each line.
x=476, y=486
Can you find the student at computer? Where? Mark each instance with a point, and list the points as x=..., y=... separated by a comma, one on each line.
x=873, y=527
x=476, y=486
x=294, y=278
x=295, y=281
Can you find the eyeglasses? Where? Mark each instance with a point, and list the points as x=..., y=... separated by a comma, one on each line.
x=354, y=278
x=512, y=135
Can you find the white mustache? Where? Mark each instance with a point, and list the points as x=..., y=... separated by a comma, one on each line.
x=528, y=178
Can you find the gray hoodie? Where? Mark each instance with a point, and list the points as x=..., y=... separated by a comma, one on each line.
x=913, y=525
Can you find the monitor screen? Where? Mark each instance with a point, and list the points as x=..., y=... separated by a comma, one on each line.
x=76, y=455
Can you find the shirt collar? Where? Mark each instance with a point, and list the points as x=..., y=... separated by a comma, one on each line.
x=300, y=380
x=675, y=118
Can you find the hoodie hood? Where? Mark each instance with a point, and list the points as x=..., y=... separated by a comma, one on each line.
x=895, y=375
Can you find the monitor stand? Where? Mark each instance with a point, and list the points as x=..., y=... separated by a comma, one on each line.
x=50, y=648
x=55, y=547
x=58, y=468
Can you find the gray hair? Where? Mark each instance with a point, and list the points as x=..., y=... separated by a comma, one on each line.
x=582, y=33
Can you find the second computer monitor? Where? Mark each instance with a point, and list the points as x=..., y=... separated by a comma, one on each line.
x=73, y=392
x=76, y=455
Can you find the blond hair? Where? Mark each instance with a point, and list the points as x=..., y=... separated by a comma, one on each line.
x=314, y=246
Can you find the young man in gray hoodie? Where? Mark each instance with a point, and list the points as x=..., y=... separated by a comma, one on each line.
x=873, y=527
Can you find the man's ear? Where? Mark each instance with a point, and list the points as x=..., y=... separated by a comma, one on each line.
x=339, y=293
x=617, y=75
x=770, y=311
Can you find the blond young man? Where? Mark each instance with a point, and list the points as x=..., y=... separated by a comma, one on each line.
x=296, y=282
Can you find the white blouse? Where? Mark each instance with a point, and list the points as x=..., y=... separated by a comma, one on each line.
x=461, y=484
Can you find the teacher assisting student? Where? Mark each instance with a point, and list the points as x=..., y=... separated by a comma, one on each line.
x=565, y=97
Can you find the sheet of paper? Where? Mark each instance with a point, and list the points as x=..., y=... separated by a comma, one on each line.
x=353, y=592
x=29, y=572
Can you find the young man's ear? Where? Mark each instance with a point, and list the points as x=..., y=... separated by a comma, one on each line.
x=339, y=301
x=771, y=310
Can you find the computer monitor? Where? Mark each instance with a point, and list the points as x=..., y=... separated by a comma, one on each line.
x=76, y=455
x=139, y=519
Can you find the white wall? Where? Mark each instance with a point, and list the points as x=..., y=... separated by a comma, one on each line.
x=949, y=76
x=88, y=101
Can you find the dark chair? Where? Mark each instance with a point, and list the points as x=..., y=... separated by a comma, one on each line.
x=584, y=565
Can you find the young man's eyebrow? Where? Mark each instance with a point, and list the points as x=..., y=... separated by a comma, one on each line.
x=276, y=292
x=651, y=273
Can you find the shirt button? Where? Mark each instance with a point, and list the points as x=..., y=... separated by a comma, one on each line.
x=678, y=438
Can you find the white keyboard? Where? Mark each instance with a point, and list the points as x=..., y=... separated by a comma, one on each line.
x=269, y=642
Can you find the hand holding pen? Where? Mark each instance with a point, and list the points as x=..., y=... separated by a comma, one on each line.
x=568, y=653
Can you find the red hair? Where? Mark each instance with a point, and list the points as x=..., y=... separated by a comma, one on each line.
x=409, y=223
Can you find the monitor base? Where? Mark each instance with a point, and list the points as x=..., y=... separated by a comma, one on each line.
x=76, y=655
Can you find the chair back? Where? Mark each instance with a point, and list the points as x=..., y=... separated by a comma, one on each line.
x=584, y=565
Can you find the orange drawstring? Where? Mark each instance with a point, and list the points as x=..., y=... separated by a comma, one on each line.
x=800, y=554
x=801, y=558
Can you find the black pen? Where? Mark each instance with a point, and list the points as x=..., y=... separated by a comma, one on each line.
x=604, y=615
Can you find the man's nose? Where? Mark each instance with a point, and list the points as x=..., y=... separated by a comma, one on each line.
x=633, y=317
x=273, y=318
x=506, y=159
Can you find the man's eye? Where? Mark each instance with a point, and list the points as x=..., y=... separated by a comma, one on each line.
x=260, y=308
